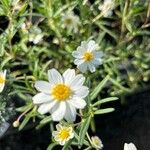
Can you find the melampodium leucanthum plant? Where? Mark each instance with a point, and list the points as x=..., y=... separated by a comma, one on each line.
x=46, y=36
x=67, y=100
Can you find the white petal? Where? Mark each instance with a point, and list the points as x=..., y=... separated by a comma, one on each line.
x=84, y=45
x=129, y=146
x=78, y=61
x=37, y=39
x=77, y=81
x=98, y=54
x=91, y=67
x=58, y=127
x=44, y=108
x=97, y=61
x=70, y=114
x=5, y=71
x=82, y=91
x=54, y=76
x=109, y=13
x=43, y=86
x=82, y=49
x=68, y=75
x=71, y=135
x=54, y=134
x=82, y=67
x=100, y=7
x=1, y=87
x=78, y=102
x=58, y=114
x=77, y=54
x=3, y=74
x=92, y=45
x=41, y=98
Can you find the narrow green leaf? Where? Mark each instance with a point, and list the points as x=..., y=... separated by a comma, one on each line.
x=51, y=146
x=136, y=11
x=116, y=83
x=5, y=61
x=22, y=9
x=24, y=108
x=83, y=130
x=5, y=3
x=96, y=91
x=45, y=120
x=92, y=125
x=1, y=11
x=105, y=100
x=85, y=141
x=66, y=146
x=25, y=121
x=104, y=111
x=112, y=34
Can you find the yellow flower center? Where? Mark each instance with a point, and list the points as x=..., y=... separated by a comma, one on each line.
x=88, y=56
x=61, y=92
x=2, y=80
x=64, y=134
x=97, y=142
x=68, y=21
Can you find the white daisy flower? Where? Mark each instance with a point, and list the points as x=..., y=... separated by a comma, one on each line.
x=63, y=134
x=107, y=8
x=87, y=57
x=2, y=80
x=62, y=95
x=97, y=143
x=129, y=146
x=71, y=21
x=35, y=35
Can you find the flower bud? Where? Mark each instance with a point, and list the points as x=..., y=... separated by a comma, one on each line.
x=16, y=123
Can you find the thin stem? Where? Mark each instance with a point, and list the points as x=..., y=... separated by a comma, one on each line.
x=97, y=17
x=88, y=138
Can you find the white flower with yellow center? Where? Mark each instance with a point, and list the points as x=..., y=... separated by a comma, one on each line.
x=129, y=146
x=87, y=57
x=71, y=21
x=63, y=134
x=107, y=8
x=62, y=95
x=35, y=35
x=96, y=142
x=2, y=80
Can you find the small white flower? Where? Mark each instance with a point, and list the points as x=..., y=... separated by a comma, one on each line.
x=107, y=8
x=97, y=143
x=71, y=21
x=62, y=95
x=35, y=35
x=2, y=80
x=25, y=27
x=87, y=57
x=63, y=134
x=129, y=146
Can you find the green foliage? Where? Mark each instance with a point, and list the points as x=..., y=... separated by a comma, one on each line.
x=123, y=38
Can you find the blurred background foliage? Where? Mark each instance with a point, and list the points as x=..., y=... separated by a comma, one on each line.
x=124, y=38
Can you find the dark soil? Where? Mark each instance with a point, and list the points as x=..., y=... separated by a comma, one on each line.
x=129, y=123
